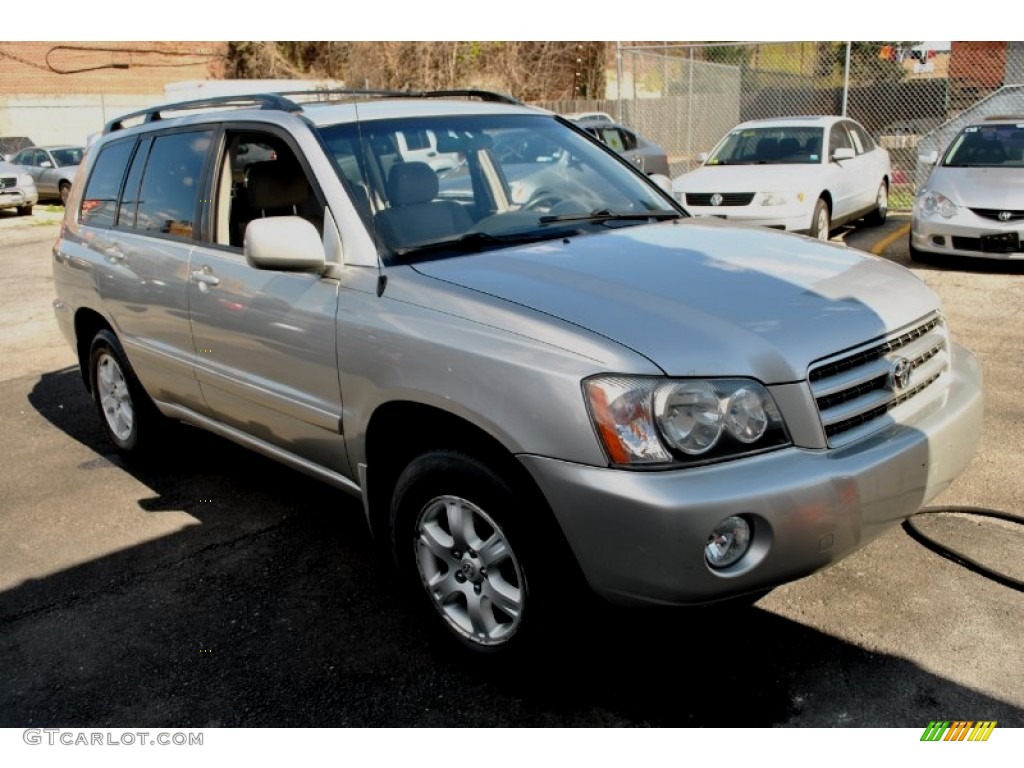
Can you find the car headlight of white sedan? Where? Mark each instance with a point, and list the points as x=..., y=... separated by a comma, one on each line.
x=780, y=198
x=644, y=421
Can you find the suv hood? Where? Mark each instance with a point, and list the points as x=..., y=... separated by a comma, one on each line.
x=747, y=178
x=700, y=297
x=981, y=187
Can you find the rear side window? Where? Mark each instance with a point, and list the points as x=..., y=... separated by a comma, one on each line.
x=169, y=196
x=99, y=203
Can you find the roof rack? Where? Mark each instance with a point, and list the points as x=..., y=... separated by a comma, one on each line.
x=262, y=100
x=279, y=100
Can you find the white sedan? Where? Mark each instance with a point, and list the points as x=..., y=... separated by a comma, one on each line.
x=800, y=174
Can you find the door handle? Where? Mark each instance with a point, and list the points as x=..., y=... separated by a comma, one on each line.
x=205, y=278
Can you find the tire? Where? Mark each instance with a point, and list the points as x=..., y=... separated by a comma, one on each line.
x=820, y=220
x=877, y=217
x=467, y=545
x=24, y=210
x=128, y=416
x=65, y=192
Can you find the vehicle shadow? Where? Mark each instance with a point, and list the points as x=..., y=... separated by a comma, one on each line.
x=277, y=609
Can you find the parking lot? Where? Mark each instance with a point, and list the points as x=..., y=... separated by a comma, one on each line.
x=212, y=587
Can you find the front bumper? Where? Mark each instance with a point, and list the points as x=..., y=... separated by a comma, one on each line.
x=639, y=536
x=18, y=197
x=755, y=215
x=960, y=235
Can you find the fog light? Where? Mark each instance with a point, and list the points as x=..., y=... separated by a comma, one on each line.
x=938, y=240
x=728, y=542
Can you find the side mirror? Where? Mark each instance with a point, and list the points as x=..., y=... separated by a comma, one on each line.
x=929, y=158
x=46, y=164
x=703, y=157
x=288, y=243
x=844, y=153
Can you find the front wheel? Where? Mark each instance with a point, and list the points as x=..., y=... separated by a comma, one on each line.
x=877, y=217
x=65, y=193
x=24, y=210
x=820, y=220
x=469, y=546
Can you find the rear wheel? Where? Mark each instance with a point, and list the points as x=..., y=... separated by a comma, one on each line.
x=877, y=217
x=128, y=416
x=820, y=220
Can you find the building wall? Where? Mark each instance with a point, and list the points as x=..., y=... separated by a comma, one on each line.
x=61, y=92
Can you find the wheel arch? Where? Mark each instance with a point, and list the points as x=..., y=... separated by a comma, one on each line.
x=386, y=457
x=88, y=323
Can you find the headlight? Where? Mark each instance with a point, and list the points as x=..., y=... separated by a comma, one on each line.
x=781, y=198
x=25, y=180
x=650, y=421
x=931, y=202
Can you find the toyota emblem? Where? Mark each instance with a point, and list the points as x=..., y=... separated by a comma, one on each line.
x=716, y=199
x=900, y=376
x=1004, y=215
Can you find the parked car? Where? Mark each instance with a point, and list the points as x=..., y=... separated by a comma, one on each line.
x=534, y=400
x=973, y=202
x=52, y=168
x=800, y=174
x=596, y=117
x=643, y=153
x=17, y=189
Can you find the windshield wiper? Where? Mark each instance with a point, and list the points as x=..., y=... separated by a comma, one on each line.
x=606, y=215
x=472, y=242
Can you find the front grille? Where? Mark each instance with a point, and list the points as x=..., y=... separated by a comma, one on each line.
x=856, y=392
x=728, y=198
x=994, y=214
x=8, y=182
x=974, y=244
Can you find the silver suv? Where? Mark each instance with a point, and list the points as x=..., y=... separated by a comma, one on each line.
x=540, y=376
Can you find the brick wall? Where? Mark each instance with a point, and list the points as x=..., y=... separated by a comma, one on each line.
x=111, y=68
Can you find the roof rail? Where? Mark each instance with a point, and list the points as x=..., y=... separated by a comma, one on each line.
x=262, y=100
x=279, y=100
x=472, y=93
x=1004, y=117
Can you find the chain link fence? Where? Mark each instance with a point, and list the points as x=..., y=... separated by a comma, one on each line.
x=911, y=96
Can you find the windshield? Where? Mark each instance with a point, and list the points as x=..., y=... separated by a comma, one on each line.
x=67, y=156
x=506, y=179
x=986, y=146
x=775, y=145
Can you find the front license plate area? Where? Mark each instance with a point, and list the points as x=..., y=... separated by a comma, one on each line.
x=1004, y=242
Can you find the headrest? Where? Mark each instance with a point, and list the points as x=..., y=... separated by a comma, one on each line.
x=411, y=183
x=276, y=184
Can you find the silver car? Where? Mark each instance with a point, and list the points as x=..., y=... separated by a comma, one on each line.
x=536, y=394
x=17, y=189
x=973, y=202
x=52, y=168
